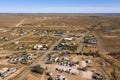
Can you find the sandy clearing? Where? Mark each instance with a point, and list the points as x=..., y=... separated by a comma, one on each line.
x=87, y=74
x=107, y=36
x=83, y=64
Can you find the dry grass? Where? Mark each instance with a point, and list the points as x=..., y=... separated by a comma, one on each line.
x=110, y=40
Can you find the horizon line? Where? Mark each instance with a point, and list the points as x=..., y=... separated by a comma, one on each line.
x=58, y=13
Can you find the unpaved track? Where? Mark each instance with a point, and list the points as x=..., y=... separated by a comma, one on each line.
x=81, y=42
x=21, y=22
x=42, y=58
x=16, y=39
x=101, y=44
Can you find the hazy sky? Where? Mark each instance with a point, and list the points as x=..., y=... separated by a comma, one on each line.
x=60, y=6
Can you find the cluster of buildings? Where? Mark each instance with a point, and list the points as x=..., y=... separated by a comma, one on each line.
x=65, y=44
x=67, y=70
x=59, y=77
x=90, y=40
x=38, y=69
x=4, y=38
x=23, y=58
x=22, y=47
x=40, y=47
x=56, y=58
x=7, y=72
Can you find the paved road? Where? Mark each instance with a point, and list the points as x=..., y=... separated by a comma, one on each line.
x=16, y=39
x=42, y=58
x=17, y=25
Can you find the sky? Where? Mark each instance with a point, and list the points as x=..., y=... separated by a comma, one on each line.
x=59, y=6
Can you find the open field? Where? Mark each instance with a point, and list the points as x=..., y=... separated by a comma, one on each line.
x=7, y=20
x=111, y=40
x=40, y=20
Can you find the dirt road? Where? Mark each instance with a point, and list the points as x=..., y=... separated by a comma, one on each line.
x=100, y=44
x=16, y=39
x=80, y=47
x=43, y=57
x=17, y=25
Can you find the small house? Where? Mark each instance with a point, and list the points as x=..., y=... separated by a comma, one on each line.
x=68, y=39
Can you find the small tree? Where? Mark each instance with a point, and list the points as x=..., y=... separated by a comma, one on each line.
x=73, y=48
x=114, y=75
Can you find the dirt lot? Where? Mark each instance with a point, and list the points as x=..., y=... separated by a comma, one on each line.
x=10, y=20
x=111, y=40
x=86, y=75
